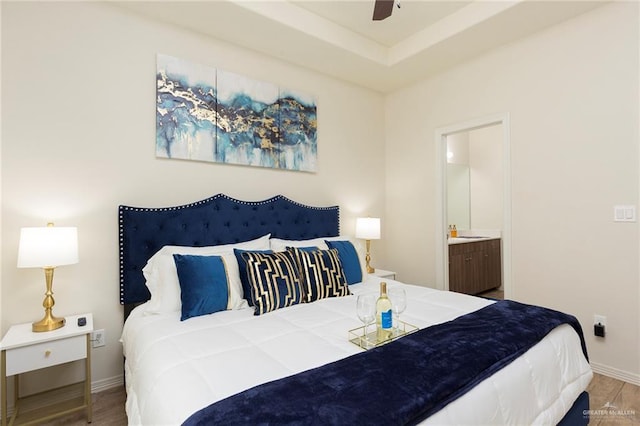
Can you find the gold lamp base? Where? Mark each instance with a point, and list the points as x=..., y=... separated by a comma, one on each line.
x=48, y=323
x=370, y=269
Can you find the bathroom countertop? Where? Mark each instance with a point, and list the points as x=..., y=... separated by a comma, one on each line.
x=469, y=239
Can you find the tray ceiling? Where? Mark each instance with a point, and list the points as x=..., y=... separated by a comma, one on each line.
x=340, y=39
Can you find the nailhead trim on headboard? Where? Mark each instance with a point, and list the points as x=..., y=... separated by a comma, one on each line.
x=216, y=220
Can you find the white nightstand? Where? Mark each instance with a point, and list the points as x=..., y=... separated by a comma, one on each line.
x=24, y=351
x=385, y=274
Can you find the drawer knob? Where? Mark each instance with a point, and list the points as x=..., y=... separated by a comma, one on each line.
x=47, y=353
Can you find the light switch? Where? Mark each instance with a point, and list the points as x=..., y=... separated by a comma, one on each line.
x=630, y=213
x=624, y=213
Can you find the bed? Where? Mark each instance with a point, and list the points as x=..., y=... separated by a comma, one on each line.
x=260, y=358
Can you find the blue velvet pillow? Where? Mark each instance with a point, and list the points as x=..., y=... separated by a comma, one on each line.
x=204, y=287
x=244, y=278
x=349, y=258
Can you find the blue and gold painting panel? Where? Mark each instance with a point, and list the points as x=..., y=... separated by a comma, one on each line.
x=298, y=124
x=186, y=122
x=248, y=128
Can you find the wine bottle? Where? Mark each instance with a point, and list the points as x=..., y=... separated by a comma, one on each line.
x=383, y=315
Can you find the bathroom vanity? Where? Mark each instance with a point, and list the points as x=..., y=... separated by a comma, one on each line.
x=475, y=264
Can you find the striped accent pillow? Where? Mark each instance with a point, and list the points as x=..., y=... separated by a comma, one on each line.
x=321, y=274
x=274, y=279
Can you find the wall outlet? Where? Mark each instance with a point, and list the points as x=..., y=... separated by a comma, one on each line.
x=98, y=338
x=599, y=319
x=599, y=323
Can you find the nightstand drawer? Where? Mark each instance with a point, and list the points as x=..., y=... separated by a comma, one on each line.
x=47, y=354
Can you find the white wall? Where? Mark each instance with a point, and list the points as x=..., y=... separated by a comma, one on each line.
x=78, y=139
x=572, y=95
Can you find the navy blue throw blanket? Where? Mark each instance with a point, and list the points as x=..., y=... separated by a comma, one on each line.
x=399, y=383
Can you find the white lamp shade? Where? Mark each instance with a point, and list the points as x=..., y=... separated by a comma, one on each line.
x=48, y=246
x=368, y=228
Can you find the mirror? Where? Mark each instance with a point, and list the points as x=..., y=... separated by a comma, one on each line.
x=458, y=181
x=458, y=196
x=474, y=179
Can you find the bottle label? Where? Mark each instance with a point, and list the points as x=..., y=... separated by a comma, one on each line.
x=386, y=322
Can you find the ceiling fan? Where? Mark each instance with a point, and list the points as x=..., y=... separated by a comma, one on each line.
x=383, y=8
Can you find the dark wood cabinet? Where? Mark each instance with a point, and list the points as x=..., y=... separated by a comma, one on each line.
x=475, y=267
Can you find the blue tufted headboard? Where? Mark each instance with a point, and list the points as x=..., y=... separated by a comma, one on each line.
x=217, y=220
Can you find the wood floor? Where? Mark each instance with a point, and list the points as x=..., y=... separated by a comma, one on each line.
x=493, y=294
x=613, y=403
x=108, y=410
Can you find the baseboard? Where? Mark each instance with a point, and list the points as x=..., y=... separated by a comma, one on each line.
x=615, y=373
x=104, y=384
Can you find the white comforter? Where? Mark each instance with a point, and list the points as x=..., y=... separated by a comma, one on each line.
x=175, y=368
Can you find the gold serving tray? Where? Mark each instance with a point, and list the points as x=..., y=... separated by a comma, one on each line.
x=370, y=340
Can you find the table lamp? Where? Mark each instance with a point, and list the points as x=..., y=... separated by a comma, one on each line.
x=48, y=247
x=368, y=228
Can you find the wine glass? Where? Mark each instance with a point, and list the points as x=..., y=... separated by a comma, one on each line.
x=366, y=309
x=398, y=299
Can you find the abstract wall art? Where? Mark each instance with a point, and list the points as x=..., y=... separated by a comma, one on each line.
x=206, y=114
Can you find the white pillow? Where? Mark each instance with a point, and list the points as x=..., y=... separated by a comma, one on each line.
x=280, y=245
x=162, y=278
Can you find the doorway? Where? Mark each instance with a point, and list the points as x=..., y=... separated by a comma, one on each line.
x=442, y=136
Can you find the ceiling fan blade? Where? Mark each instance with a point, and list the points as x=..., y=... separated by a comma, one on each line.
x=382, y=9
